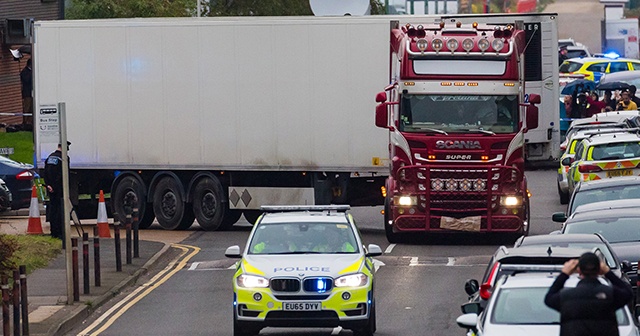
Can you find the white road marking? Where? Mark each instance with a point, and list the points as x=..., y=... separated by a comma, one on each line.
x=336, y=331
x=194, y=266
x=377, y=264
x=389, y=248
x=414, y=261
x=452, y=261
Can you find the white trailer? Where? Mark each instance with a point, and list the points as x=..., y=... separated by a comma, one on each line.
x=214, y=117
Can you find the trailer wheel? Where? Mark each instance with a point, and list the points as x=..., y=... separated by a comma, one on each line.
x=207, y=203
x=146, y=217
x=252, y=216
x=392, y=237
x=169, y=206
x=128, y=193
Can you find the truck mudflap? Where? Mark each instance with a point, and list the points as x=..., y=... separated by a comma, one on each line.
x=459, y=198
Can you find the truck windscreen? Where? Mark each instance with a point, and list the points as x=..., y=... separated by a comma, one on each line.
x=459, y=113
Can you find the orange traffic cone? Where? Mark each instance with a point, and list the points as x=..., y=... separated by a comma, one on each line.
x=35, y=224
x=103, y=224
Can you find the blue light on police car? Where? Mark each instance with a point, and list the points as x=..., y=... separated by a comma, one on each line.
x=321, y=286
x=611, y=54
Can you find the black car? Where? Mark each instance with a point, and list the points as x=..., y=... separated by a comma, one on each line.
x=618, y=222
x=601, y=190
x=19, y=179
x=583, y=241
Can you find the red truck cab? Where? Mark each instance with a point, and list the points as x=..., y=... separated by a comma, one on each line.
x=457, y=113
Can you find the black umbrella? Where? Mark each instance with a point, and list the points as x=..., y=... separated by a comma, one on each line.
x=613, y=86
x=581, y=84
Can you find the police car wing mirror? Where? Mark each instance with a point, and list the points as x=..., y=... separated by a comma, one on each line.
x=373, y=250
x=468, y=321
x=233, y=252
x=471, y=308
x=471, y=287
x=567, y=161
x=559, y=217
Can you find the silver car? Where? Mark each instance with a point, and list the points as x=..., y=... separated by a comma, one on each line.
x=517, y=308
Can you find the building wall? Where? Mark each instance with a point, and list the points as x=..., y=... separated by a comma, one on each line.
x=10, y=88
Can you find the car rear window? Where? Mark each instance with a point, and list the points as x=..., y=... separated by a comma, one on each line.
x=568, y=67
x=604, y=194
x=616, y=151
x=614, y=230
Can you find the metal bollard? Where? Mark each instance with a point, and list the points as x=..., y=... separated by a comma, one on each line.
x=16, y=302
x=136, y=236
x=116, y=238
x=74, y=265
x=6, y=323
x=127, y=227
x=85, y=262
x=96, y=257
x=24, y=300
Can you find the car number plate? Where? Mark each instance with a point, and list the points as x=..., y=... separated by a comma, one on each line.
x=621, y=172
x=301, y=306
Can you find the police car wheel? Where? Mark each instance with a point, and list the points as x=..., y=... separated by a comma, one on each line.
x=370, y=328
x=240, y=330
x=564, y=197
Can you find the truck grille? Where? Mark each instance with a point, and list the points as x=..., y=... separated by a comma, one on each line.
x=285, y=285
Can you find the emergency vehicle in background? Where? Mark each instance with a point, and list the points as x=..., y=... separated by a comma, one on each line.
x=457, y=118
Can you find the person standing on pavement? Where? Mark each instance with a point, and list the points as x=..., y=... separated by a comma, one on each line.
x=590, y=307
x=53, y=181
x=26, y=80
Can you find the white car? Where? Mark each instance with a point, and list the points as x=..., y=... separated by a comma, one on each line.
x=517, y=308
x=304, y=266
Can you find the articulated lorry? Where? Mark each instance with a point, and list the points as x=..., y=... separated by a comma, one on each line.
x=210, y=118
x=457, y=110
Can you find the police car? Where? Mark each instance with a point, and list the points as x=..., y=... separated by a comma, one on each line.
x=605, y=154
x=304, y=266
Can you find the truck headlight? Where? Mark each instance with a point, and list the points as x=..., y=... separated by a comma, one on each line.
x=405, y=200
x=352, y=280
x=251, y=281
x=511, y=201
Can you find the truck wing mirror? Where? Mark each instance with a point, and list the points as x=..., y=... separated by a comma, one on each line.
x=381, y=97
x=382, y=116
x=534, y=98
x=532, y=117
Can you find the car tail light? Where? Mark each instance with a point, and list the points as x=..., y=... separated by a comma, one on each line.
x=25, y=175
x=485, y=291
x=589, y=168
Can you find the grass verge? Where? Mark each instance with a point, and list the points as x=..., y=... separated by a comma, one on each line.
x=32, y=251
x=22, y=144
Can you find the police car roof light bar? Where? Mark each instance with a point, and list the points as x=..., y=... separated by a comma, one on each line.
x=615, y=130
x=290, y=208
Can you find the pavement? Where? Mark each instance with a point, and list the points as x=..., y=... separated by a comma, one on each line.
x=49, y=313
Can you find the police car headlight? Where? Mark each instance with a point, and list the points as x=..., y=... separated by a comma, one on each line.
x=511, y=201
x=252, y=281
x=352, y=280
x=405, y=200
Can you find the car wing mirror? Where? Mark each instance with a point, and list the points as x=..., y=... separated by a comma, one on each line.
x=471, y=287
x=567, y=161
x=373, y=250
x=559, y=217
x=471, y=308
x=468, y=321
x=625, y=266
x=233, y=252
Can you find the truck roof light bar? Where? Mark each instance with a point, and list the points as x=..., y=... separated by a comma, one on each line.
x=436, y=44
x=291, y=208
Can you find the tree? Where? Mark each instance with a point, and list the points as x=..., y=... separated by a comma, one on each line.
x=96, y=9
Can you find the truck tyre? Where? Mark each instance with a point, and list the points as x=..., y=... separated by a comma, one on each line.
x=252, y=216
x=564, y=197
x=392, y=237
x=129, y=193
x=147, y=217
x=208, y=205
x=170, y=208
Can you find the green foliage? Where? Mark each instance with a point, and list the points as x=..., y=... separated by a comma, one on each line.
x=8, y=246
x=104, y=9
x=22, y=144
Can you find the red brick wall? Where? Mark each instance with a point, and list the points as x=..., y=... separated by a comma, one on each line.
x=10, y=90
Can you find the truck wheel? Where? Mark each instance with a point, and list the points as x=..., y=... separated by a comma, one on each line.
x=392, y=237
x=129, y=193
x=147, y=217
x=252, y=215
x=564, y=197
x=207, y=203
x=169, y=206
